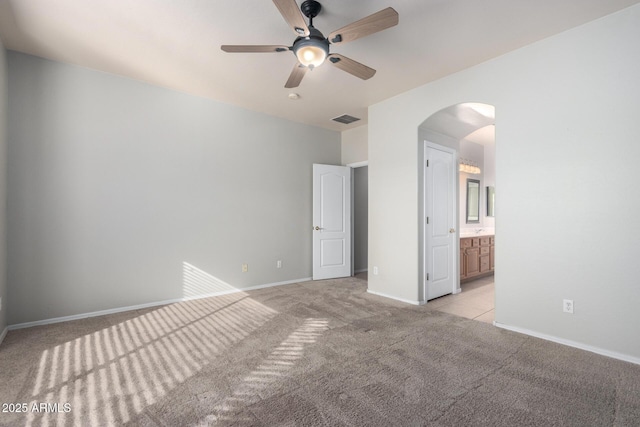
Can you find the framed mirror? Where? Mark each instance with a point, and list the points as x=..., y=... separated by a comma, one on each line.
x=491, y=201
x=473, y=201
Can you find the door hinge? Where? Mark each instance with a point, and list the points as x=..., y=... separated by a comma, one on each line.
x=427, y=162
x=427, y=220
x=427, y=276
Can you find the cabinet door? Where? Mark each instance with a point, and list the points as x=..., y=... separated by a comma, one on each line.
x=472, y=261
x=484, y=263
x=491, y=258
x=463, y=270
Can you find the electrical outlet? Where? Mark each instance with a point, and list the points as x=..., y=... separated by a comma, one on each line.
x=245, y=268
x=567, y=306
x=375, y=270
x=279, y=264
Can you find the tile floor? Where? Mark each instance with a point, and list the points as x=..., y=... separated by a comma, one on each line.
x=476, y=301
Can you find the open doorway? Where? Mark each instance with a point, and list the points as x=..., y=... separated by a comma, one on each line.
x=469, y=130
x=340, y=221
x=360, y=219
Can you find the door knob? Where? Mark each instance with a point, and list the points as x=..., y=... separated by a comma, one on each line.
x=317, y=228
x=452, y=230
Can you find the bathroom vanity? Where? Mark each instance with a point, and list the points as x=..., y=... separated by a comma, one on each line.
x=476, y=257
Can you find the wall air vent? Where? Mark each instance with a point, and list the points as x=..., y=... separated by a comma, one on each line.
x=346, y=119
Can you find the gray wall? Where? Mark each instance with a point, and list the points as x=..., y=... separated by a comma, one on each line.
x=361, y=217
x=3, y=186
x=354, y=145
x=566, y=154
x=121, y=193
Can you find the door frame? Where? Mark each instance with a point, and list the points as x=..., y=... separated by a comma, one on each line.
x=422, y=220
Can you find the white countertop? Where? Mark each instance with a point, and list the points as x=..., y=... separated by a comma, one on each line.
x=472, y=233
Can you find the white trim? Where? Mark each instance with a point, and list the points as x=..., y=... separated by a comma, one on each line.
x=141, y=306
x=380, y=294
x=4, y=334
x=581, y=346
x=352, y=217
x=358, y=164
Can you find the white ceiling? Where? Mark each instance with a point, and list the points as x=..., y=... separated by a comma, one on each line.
x=462, y=121
x=484, y=136
x=176, y=44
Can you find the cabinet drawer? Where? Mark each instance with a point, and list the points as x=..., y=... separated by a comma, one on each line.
x=484, y=250
x=484, y=241
x=492, y=240
x=465, y=243
x=475, y=242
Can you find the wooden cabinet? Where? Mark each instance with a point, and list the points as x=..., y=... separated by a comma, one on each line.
x=472, y=262
x=476, y=257
x=491, y=253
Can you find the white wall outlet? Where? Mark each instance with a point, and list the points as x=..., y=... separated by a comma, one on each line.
x=245, y=268
x=279, y=263
x=567, y=306
x=375, y=270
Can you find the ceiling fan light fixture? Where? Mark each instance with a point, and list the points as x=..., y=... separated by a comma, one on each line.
x=311, y=52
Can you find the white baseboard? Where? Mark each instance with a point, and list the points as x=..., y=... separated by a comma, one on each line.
x=380, y=294
x=581, y=346
x=141, y=306
x=4, y=334
x=360, y=271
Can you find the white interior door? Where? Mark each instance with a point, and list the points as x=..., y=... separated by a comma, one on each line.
x=440, y=210
x=331, y=221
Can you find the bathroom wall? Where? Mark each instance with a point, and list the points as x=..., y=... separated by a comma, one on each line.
x=483, y=156
x=474, y=153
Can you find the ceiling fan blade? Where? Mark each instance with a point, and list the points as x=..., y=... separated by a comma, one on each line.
x=296, y=76
x=291, y=13
x=379, y=21
x=351, y=66
x=232, y=48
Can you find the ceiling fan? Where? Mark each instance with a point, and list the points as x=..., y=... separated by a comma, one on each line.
x=312, y=48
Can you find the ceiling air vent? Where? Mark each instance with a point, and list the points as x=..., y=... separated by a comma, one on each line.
x=346, y=119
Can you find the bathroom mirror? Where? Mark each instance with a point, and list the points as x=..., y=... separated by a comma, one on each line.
x=473, y=201
x=491, y=201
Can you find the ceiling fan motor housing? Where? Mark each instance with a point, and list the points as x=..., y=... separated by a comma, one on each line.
x=310, y=8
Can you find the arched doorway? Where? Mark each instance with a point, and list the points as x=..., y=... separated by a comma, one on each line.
x=458, y=129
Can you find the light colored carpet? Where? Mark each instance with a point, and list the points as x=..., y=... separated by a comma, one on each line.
x=315, y=353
